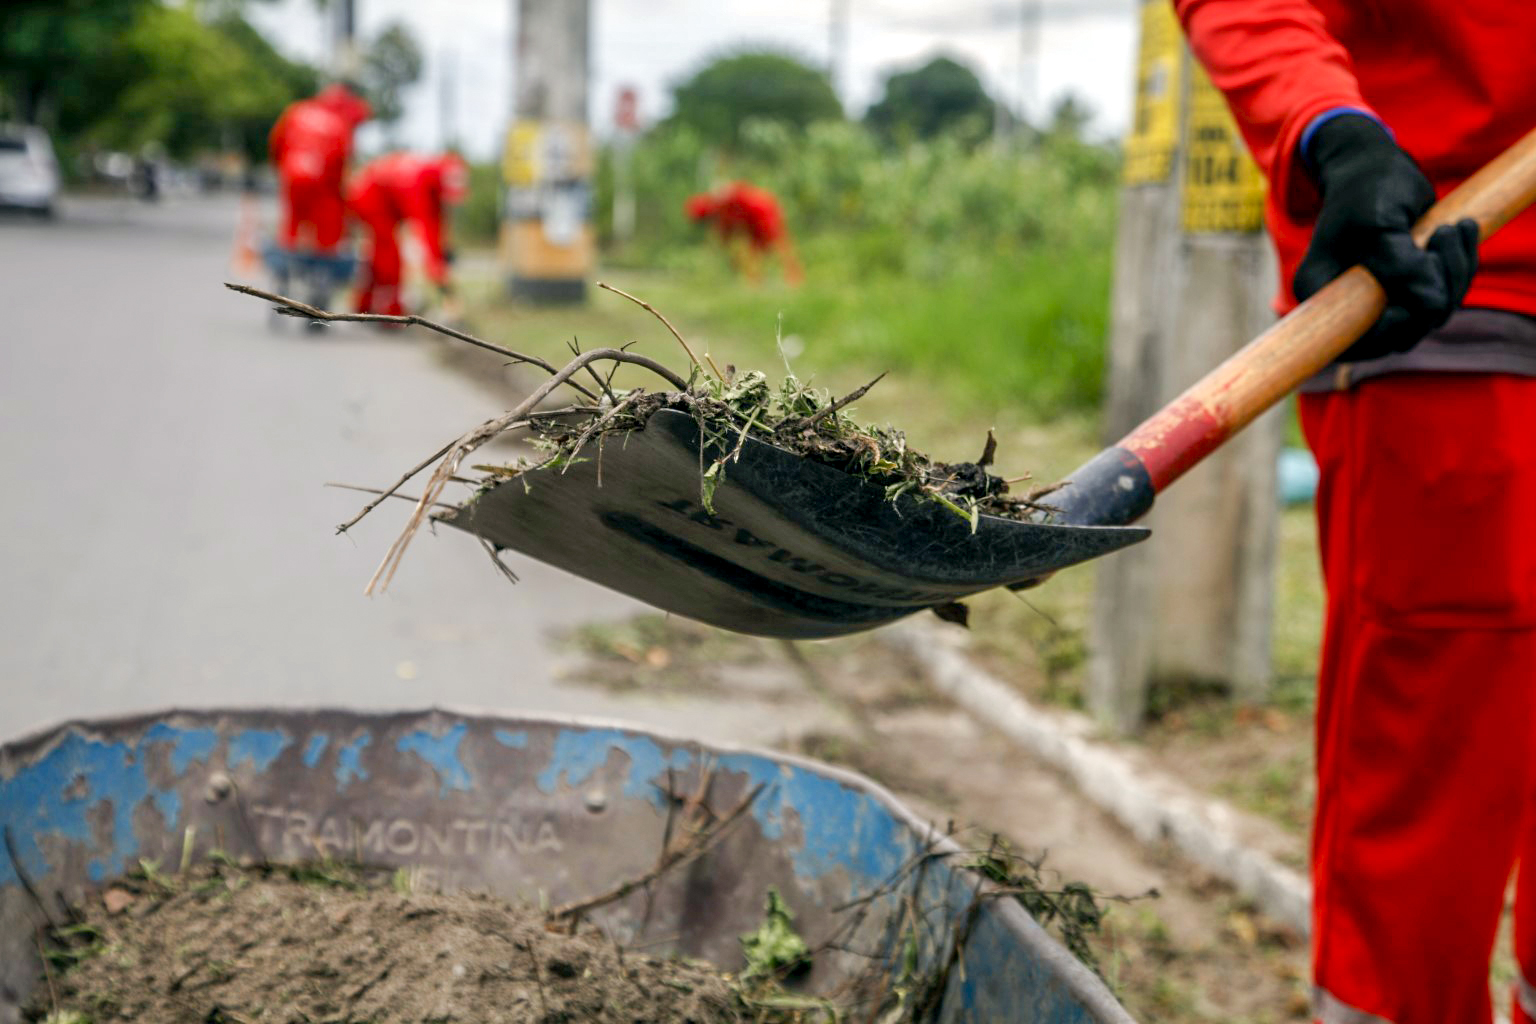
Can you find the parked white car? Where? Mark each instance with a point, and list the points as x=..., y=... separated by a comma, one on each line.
x=29, y=173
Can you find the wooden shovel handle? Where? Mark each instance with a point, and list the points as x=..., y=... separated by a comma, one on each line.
x=1272, y=365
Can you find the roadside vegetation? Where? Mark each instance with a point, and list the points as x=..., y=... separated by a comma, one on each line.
x=193, y=83
x=977, y=273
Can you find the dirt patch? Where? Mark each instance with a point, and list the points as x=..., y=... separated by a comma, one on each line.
x=657, y=653
x=1258, y=758
x=1197, y=952
x=222, y=944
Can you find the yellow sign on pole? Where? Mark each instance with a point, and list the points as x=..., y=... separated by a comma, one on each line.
x=1154, y=132
x=1223, y=189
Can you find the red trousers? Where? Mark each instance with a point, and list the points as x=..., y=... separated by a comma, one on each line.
x=314, y=212
x=379, y=291
x=1426, y=718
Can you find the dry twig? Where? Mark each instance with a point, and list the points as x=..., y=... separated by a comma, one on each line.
x=23, y=877
x=295, y=308
x=657, y=314
x=458, y=450
x=852, y=396
x=375, y=490
x=538, y=977
x=53, y=992
x=681, y=853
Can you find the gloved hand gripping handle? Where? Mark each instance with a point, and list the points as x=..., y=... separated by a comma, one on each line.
x=1118, y=485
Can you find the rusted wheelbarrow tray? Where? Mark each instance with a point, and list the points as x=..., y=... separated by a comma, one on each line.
x=531, y=809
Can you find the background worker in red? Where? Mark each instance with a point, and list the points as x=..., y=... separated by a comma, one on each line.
x=750, y=223
x=394, y=189
x=310, y=145
x=1360, y=112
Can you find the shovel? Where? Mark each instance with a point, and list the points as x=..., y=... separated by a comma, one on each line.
x=792, y=548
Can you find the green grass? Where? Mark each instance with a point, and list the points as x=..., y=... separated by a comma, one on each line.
x=1298, y=628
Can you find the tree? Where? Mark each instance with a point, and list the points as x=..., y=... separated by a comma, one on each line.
x=391, y=65
x=288, y=80
x=190, y=86
x=1070, y=117
x=766, y=84
x=941, y=96
x=47, y=49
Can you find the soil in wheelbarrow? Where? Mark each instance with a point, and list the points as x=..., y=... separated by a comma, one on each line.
x=328, y=943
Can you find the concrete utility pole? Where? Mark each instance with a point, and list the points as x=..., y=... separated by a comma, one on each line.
x=345, y=58
x=447, y=100
x=626, y=130
x=1030, y=16
x=547, y=247
x=837, y=46
x=1194, y=275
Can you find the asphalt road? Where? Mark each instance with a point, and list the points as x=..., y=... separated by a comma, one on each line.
x=165, y=538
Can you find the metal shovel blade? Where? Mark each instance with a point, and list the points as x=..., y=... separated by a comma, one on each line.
x=793, y=548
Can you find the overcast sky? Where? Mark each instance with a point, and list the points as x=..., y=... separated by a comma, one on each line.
x=1086, y=47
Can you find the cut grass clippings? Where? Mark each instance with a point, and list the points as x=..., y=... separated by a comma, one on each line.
x=728, y=407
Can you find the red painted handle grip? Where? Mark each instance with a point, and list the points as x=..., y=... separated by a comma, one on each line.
x=1272, y=365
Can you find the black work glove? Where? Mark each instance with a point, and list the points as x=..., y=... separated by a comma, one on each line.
x=1372, y=194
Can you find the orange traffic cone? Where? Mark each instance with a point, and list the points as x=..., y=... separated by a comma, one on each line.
x=246, y=259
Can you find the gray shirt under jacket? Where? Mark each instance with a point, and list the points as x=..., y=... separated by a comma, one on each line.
x=1471, y=341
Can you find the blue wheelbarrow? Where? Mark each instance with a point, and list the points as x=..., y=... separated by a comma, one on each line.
x=544, y=811
x=314, y=276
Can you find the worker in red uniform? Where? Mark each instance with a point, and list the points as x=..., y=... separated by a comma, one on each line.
x=750, y=223
x=1360, y=113
x=310, y=145
x=394, y=189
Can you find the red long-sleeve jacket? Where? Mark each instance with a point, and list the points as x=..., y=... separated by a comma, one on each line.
x=741, y=209
x=415, y=188
x=1455, y=81
x=312, y=138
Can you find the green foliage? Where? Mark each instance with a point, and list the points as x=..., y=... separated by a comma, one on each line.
x=968, y=266
x=391, y=65
x=184, y=82
x=941, y=97
x=44, y=48
x=729, y=92
x=124, y=73
x=1071, y=910
x=477, y=220
x=775, y=947
x=282, y=81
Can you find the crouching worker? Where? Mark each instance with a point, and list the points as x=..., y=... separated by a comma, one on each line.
x=750, y=223
x=393, y=189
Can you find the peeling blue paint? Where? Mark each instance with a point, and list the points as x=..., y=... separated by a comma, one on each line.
x=349, y=762
x=82, y=790
x=314, y=748
x=169, y=802
x=580, y=752
x=840, y=827
x=187, y=745
x=442, y=753
x=36, y=806
x=258, y=746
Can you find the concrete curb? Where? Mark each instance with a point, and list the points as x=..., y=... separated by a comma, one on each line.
x=1230, y=844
